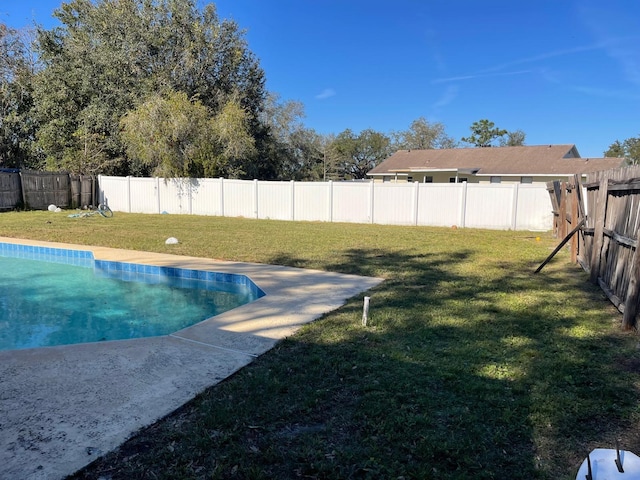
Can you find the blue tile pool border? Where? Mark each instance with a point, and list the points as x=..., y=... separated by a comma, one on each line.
x=81, y=258
x=85, y=258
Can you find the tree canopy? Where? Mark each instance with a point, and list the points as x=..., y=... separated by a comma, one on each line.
x=297, y=152
x=514, y=139
x=109, y=56
x=629, y=149
x=423, y=135
x=357, y=154
x=484, y=133
x=17, y=68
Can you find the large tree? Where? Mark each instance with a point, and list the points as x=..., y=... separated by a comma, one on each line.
x=176, y=137
x=307, y=156
x=514, y=139
x=484, y=133
x=357, y=154
x=17, y=68
x=232, y=143
x=628, y=149
x=423, y=135
x=297, y=152
x=109, y=56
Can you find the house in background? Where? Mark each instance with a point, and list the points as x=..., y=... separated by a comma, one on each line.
x=527, y=164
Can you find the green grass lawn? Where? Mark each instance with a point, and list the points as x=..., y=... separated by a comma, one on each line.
x=470, y=367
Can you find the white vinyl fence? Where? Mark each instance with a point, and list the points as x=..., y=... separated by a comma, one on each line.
x=495, y=206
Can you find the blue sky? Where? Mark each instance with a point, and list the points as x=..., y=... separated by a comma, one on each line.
x=561, y=71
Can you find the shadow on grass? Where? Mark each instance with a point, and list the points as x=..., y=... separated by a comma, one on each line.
x=486, y=373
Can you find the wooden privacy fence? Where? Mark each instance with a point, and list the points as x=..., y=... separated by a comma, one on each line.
x=604, y=233
x=38, y=190
x=10, y=191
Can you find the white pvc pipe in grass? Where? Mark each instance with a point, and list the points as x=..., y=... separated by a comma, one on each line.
x=365, y=311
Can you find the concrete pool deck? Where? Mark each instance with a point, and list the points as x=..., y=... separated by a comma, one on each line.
x=62, y=407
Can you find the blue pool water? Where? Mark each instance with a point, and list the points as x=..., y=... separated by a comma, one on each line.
x=60, y=297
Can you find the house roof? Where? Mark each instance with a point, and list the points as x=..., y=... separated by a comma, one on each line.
x=526, y=160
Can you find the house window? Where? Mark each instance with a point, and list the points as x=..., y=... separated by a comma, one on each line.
x=428, y=179
x=409, y=179
x=496, y=179
x=526, y=179
x=460, y=180
x=386, y=179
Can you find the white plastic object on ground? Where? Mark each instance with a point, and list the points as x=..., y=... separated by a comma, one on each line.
x=171, y=241
x=603, y=465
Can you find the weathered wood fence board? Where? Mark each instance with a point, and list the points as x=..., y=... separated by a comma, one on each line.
x=83, y=190
x=607, y=246
x=569, y=211
x=39, y=190
x=10, y=190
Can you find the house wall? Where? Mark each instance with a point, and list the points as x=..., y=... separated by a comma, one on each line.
x=518, y=179
x=495, y=206
x=444, y=177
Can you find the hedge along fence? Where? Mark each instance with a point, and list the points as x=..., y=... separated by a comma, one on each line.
x=496, y=206
x=38, y=190
x=606, y=244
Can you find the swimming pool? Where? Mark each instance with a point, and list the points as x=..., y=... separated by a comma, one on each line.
x=51, y=296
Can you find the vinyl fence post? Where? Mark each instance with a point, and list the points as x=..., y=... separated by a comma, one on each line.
x=371, y=202
x=330, y=201
x=514, y=206
x=158, y=192
x=463, y=206
x=221, y=197
x=255, y=196
x=415, y=202
x=293, y=200
x=129, y=194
